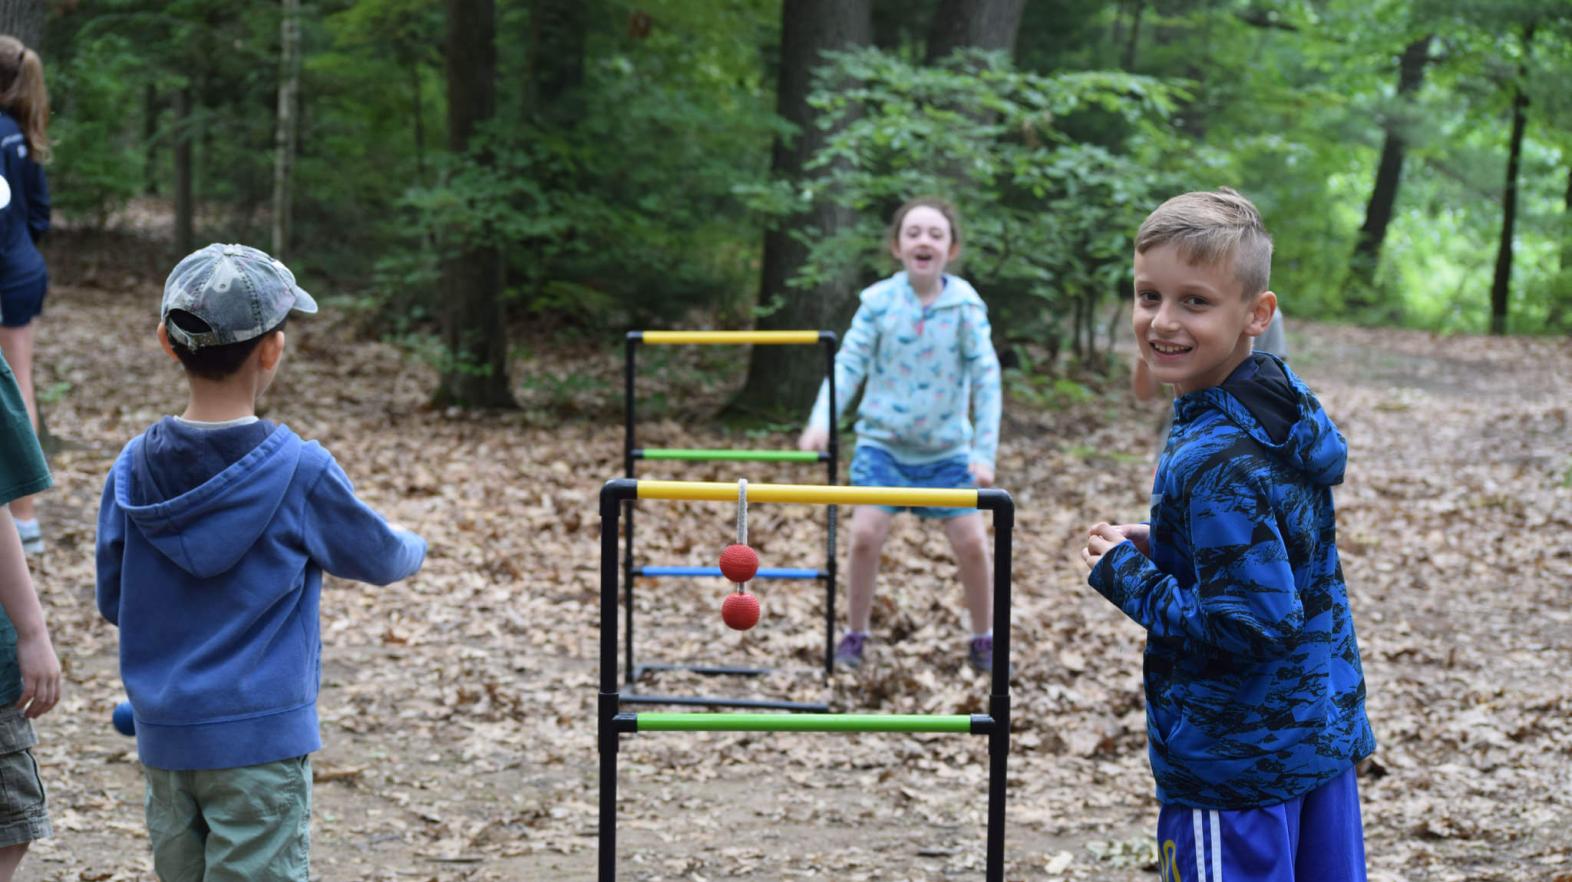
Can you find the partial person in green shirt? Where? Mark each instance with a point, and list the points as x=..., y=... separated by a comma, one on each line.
x=29, y=670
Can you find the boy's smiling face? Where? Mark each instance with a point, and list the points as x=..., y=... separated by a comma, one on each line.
x=1192, y=323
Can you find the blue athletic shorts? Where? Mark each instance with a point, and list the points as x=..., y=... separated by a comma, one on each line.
x=1310, y=838
x=875, y=467
x=21, y=304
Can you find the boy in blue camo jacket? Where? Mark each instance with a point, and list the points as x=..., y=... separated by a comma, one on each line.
x=1255, y=698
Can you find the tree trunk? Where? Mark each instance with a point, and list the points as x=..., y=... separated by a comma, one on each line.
x=555, y=70
x=1389, y=175
x=984, y=24
x=417, y=109
x=1561, y=296
x=288, y=125
x=185, y=227
x=24, y=20
x=1501, y=285
x=474, y=335
x=785, y=377
x=1134, y=40
x=989, y=25
x=150, y=107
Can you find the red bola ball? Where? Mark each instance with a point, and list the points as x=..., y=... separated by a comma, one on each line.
x=740, y=611
x=739, y=563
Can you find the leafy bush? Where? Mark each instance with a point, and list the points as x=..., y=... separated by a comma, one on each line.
x=97, y=166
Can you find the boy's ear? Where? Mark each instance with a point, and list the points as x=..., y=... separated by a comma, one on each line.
x=163, y=340
x=270, y=350
x=1261, y=312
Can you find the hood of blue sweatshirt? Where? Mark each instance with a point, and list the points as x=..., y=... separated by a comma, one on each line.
x=1265, y=399
x=202, y=496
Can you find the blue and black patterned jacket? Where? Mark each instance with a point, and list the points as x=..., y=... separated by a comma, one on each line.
x=1254, y=690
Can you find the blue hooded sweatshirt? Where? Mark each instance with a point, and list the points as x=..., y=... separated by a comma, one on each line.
x=1254, y=689
x=211, y=548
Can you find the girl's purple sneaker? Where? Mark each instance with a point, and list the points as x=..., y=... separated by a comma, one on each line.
x=848, y=653
x=980, y=654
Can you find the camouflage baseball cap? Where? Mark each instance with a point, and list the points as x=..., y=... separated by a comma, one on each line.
x=236, y=290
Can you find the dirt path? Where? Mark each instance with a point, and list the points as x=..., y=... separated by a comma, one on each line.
x=458, y=708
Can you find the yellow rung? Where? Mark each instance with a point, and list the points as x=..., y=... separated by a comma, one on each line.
x=734, y=338
x=811, y=494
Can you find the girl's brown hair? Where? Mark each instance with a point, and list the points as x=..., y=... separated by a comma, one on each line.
x=932, y=202
x=23, y=95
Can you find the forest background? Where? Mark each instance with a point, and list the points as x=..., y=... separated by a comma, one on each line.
x=478, y=177
x=486, y=196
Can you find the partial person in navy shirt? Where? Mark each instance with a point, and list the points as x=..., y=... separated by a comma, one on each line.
x=24, y=218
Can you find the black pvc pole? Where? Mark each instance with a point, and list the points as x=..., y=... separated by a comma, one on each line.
x=612, y=496
x=1003, y=508
x=830, y=342
x=629, y=442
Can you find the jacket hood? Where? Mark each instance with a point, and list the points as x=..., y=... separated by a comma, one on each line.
x=957, y=292
x=207, y=530
x=1277, y=410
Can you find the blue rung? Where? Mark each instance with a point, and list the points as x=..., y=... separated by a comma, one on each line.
x=764, y=572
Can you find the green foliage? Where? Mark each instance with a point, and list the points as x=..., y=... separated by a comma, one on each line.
x=640, y=197
x=1047, y=220
x=1044, y=392
x=625, y=216
x=1290, y=109
x=97, y=167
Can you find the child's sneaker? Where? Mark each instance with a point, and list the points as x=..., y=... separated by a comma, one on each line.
x=32, y=536
x=848, y=653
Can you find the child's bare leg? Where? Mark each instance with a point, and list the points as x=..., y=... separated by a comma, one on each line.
x=17, y=345
x=969, y=538
x=870, y=525
x=10, y=859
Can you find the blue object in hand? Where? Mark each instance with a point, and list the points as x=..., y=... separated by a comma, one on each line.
x=125, y=723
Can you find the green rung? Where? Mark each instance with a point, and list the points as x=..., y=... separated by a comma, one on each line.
x=732, y=455
x=802, y=723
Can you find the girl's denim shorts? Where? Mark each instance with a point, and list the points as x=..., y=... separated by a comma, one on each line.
x=875, y=467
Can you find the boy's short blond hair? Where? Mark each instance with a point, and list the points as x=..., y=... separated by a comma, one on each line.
x=1210, y=227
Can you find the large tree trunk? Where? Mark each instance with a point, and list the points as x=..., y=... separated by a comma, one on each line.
x=984, y=24
x=288, y=125
x=185, y=225
x=24, y=20
x=1501, y=285
x=785, y=376
x=1389, y=175
x=476, y=373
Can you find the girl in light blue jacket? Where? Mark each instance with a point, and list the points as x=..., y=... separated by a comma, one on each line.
x=929, y=415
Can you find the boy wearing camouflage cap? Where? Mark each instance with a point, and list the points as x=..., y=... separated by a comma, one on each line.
x=213, y=533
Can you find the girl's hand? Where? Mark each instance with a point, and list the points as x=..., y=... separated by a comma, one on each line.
x=35, y=655
x=1101, y=538
x=814, y=438
x=983, y=473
